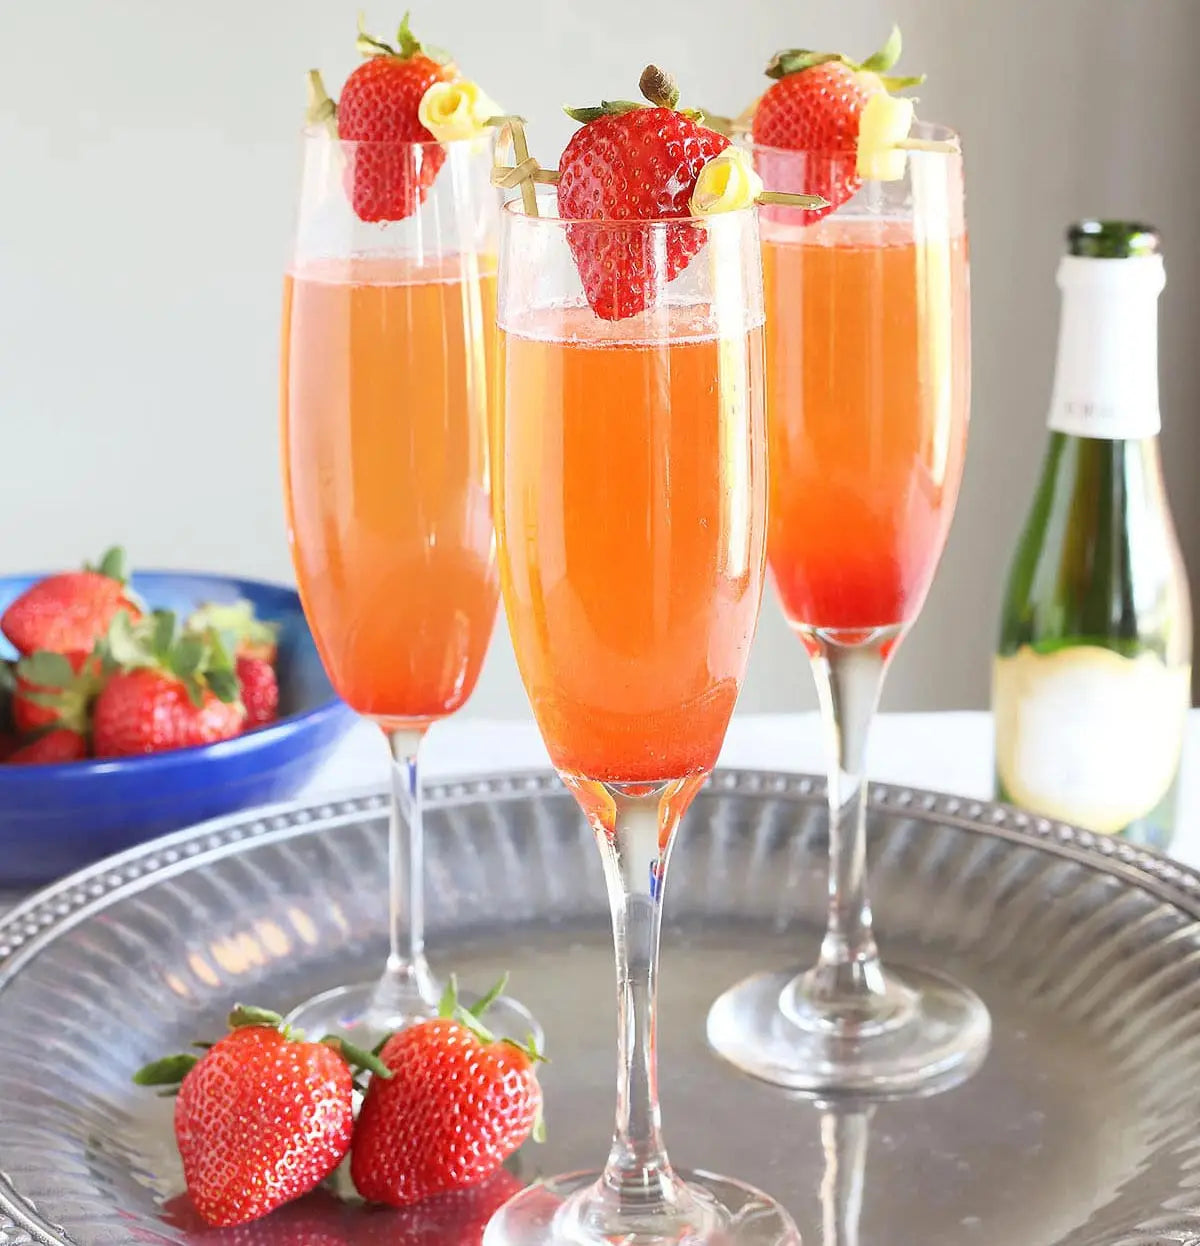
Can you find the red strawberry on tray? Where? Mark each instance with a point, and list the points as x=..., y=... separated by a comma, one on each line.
x=637, y=162
x=262, y=1117
x=815, y=106
x=69, y=612
x=458, y=1104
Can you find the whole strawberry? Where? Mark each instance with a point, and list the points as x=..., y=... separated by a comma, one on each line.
x=815, y=106
x=54, y=747
x=458, y=1104
x=633, y=162
x=71, y=611
x=260, y=691
x=378, y=108
x=56, y=690
x=262, y=1117
x=167, y=692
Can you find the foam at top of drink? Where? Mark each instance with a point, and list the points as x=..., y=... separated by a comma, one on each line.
x=669, y=324
x=852, y=232
x=394, y=270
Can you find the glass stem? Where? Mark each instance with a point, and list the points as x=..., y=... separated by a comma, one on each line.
x=638, y=1175
x=849, y=678
x=407, y=972
x=844, y=1138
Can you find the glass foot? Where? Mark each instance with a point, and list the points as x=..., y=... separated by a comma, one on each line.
x=925, y=1034
x=578, y=1210
x=364, y=1014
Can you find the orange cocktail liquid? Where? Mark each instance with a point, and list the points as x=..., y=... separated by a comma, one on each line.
x=867, y=381
x=630, y=501
x=385, y=417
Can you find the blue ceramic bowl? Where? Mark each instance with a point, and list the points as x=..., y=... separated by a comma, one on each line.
x=56, y=819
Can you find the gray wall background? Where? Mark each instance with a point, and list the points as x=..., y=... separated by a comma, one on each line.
x=149, y=171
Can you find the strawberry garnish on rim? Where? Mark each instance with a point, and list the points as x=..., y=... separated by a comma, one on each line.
x=398, y=108
x=815, y=106
x=636, y=162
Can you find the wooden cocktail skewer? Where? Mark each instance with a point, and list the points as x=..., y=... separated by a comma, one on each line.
x=528, y=173
x=321, y=109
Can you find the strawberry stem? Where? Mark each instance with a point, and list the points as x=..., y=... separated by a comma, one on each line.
x=659, y=87
x=244, y=1015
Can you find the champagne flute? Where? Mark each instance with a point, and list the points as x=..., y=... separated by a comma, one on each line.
x=868, y=393
x=388, y=348
x=630, y=471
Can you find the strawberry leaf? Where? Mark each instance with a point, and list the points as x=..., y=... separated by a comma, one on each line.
x=490, y=998
x=187, y=657
x=114, y=564
x=169, y=1071
x=162, y=634
x=124, y=646
x=606, y=108
x=407, y=43
x=368, y=45
x=796, y=60
x=224, y=685
x=46, y=670
x=357, y=1058
x=892, y=83
x=194, y=689
x=887, y=55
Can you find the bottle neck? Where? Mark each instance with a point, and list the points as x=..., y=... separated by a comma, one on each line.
x=1106, y=377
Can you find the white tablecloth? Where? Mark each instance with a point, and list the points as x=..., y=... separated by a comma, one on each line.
x=946, y=752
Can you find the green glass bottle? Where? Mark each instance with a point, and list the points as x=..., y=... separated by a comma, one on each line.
x=1092, y=680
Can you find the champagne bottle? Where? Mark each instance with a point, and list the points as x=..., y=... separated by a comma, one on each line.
x=1092, y=681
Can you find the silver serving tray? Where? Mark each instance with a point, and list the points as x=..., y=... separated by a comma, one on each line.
x=1081, y=1128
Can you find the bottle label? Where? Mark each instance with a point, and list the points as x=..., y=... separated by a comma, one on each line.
x=1106, y=377
x=1088, y=736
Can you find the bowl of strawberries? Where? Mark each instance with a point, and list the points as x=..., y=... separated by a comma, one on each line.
x=131, y=706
